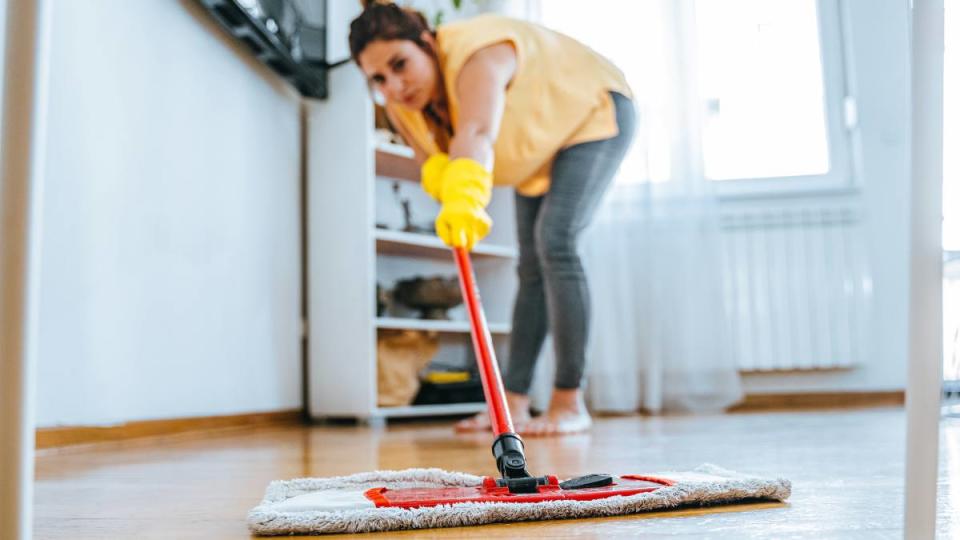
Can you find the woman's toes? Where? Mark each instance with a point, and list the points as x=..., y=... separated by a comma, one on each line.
x=479, y=422
x=557, y=424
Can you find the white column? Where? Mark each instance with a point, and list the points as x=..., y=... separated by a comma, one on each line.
x=926, y=271
x=20, y=173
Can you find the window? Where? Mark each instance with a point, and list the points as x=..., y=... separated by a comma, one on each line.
x=761, y=81
x=748, y=94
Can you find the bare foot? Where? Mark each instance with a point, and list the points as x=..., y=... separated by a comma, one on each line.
x=567, y=414
x=519, y=406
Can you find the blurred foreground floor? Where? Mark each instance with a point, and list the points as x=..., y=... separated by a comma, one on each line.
x=846, y=467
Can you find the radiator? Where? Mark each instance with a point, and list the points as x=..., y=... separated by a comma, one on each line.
x=796, y=288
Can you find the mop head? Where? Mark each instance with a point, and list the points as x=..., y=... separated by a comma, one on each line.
x=337, y=505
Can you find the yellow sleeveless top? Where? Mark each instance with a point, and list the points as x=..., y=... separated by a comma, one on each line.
x=559, y=96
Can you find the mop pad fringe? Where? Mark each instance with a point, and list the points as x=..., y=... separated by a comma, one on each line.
x=706, y=485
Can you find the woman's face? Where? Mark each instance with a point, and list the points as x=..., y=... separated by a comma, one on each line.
x=401, y=71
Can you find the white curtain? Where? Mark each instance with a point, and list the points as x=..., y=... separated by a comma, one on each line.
x=659, y=334
x=659, y=330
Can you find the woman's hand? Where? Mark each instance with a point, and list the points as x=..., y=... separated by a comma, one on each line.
x=431, y=174
x=466, y=189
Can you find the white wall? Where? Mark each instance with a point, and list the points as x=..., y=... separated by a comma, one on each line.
x=880, y=53
x=170, y=281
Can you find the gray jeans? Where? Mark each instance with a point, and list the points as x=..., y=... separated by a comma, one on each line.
x=553, y=292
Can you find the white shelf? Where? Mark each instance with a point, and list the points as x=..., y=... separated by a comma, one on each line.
x=431, y=410
x=404, y=243
x=396, y=161
x=436, y=326
x=398, y=150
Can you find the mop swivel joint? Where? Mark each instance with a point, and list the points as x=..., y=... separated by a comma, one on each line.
x=508, y=451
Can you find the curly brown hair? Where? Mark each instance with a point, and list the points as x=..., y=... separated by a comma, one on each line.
x=384, y=20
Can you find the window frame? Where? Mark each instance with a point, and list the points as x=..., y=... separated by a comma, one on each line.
x=840, y=110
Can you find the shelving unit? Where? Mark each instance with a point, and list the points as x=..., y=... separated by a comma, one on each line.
x=422, y=245
x=453, y=327
x=356, y=240
x=386, y=150
x=395, y=161
x=432, y=410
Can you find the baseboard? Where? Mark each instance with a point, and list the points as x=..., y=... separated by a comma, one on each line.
x=69, y=436
x=825, y=400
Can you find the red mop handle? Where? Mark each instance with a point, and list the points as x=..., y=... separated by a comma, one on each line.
x=483, y=346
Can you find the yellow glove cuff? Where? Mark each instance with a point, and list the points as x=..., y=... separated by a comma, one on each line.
x=431, y=174
x=465, y=180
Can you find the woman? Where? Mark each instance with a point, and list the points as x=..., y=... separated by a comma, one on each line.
x=493, y=100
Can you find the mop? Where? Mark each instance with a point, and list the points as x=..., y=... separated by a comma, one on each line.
x=433, y=498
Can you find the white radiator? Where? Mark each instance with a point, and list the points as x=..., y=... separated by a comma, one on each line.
x=796, y=288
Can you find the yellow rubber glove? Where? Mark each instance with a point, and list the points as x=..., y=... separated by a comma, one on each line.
x=466, y=189
x=431, y=173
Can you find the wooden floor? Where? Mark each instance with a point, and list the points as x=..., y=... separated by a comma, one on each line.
x=846, y=467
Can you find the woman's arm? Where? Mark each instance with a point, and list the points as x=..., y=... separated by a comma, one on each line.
x=481, y=91
x=466, y=181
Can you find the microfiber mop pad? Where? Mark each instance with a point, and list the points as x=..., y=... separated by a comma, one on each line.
x=341, y=504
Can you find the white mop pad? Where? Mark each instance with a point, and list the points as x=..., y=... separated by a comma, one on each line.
x=337, y=505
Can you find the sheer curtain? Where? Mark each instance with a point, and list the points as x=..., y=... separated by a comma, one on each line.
x=659, y=330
